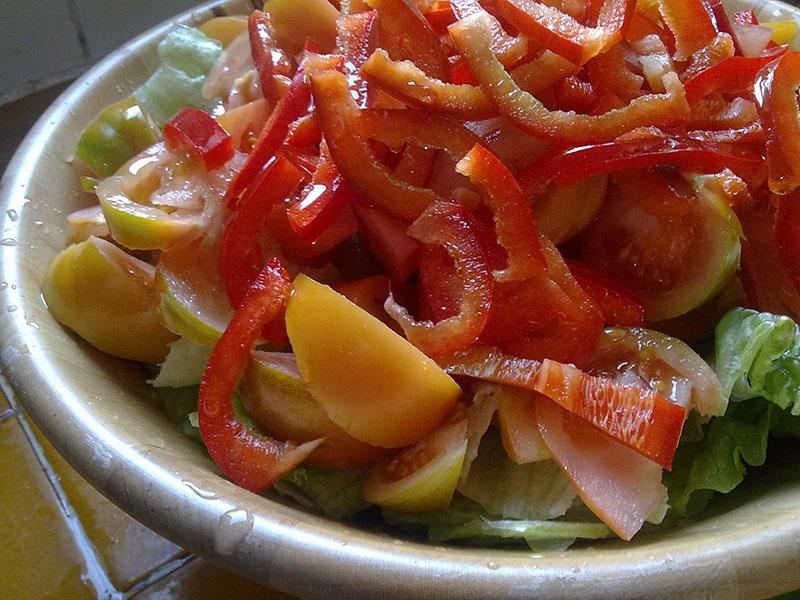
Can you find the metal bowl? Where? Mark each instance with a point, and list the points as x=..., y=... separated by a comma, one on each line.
x=99, y=413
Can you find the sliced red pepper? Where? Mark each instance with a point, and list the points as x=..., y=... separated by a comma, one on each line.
x=620, y=306
x=415, y=164
x=293, y=105
x=387, y=238
x=731, y=75
x=322, y=202
x=787, y=235
x=242, y=256
x=304, y=132
x=250, y=460
x=198, y=133
x=563, y=34
x=348, y=130
x=508, y=49
x=690, y=23
x=644, y=420
x=575, y=94
x=440, y=16
x=412, y=84
x=356, y=39
x=448, y=225
x=369, y=293
x=407, y=35
x=610, y=72
x=514, y=223
x=262, y=47
x=776, y=99
x=459, y=71
x=472, y=38
x=542, y=72
x=750, y=134
x=574, y=164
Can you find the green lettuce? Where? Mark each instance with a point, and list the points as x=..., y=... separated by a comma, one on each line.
x=184, y=366
x=758, y=363
x=186, y=55
x=466, y=521
x=336, y=493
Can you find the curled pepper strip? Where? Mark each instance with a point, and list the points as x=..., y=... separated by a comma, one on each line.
x=411, y=83
x=732, y=74
x=574, y=164
x=263, y=49
x=514, y=223
x=408, y=35
x=447, y=224
x=691, y=24
x=251, y=460
x=357, y=37
x=563, y=34
x=472, y=36
x=508, y=49
x=242, y=256
x=642, y=419
x=776, y=99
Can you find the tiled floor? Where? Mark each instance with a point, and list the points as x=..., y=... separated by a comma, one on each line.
x=61, y=539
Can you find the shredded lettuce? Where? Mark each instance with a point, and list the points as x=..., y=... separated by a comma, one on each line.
x=184, y=365
x=758, y=356
x=187, y=55
x=758, y=363
x=466, y=521
x=180, y=404
x=536, y=491
x=336, y=493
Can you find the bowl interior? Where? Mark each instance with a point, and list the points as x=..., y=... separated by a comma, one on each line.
x=100, y=414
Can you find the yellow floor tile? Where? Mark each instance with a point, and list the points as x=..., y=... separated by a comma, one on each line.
x=37, y=553
x=203, y=580
x=128, y=549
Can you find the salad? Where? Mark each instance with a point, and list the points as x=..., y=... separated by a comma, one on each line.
x=497, y=272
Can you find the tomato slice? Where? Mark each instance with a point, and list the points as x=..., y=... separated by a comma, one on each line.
x=620, y=486
x=673, y=248
x=424, y=476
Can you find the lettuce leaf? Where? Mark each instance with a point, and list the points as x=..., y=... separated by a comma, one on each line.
x=535, y=491
x=180, y=404
x=184, y=365
x=758, y=356
x=757, y=360
x=336, y=493
x=466, y=521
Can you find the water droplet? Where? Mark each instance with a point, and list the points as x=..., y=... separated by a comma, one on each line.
x=157, y=442
x=233, y=527
x=12, y=214
x=3, y=285
x=11, y=308
x=31, y=321
x=493, y=566
x=8, y=242
x=198, y=491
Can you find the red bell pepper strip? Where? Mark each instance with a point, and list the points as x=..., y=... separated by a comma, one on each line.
x=787, y=235
x=251, y=460
x=242, y=256
x=513, y=219
x=262, y=45
x=563, y=34
x=447, y=224
x=472, y=38
x=620, y=306
x=642, y=419
x=752, y=133
x=369, y=293
x=508, y=49
x=691, y=24
x=611, y=72
x=776, y=99
x=574, y=164
x=357, y=37
x=733, y=74
x=415, y=164
x=407, y=35
x=412, y=84
x=198, y=133
x=387, y=238
x=440, y=15
x=322, y=201
x=293, y=105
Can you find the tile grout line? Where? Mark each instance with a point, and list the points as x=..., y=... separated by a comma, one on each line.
x=96, y=572
x=159, y=573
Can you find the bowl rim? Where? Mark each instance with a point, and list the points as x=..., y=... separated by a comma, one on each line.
x=273, y=543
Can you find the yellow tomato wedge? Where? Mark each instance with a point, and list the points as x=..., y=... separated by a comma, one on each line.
x=224, y=29
x=783, y=32
x=422, y=477
x=107, y=297
x=296, y=21
x=279, y=402
x=369, y=380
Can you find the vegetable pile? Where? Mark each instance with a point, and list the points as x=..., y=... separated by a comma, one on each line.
x=458, y=260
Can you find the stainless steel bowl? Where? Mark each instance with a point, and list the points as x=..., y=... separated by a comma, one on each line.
x=98, y=412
